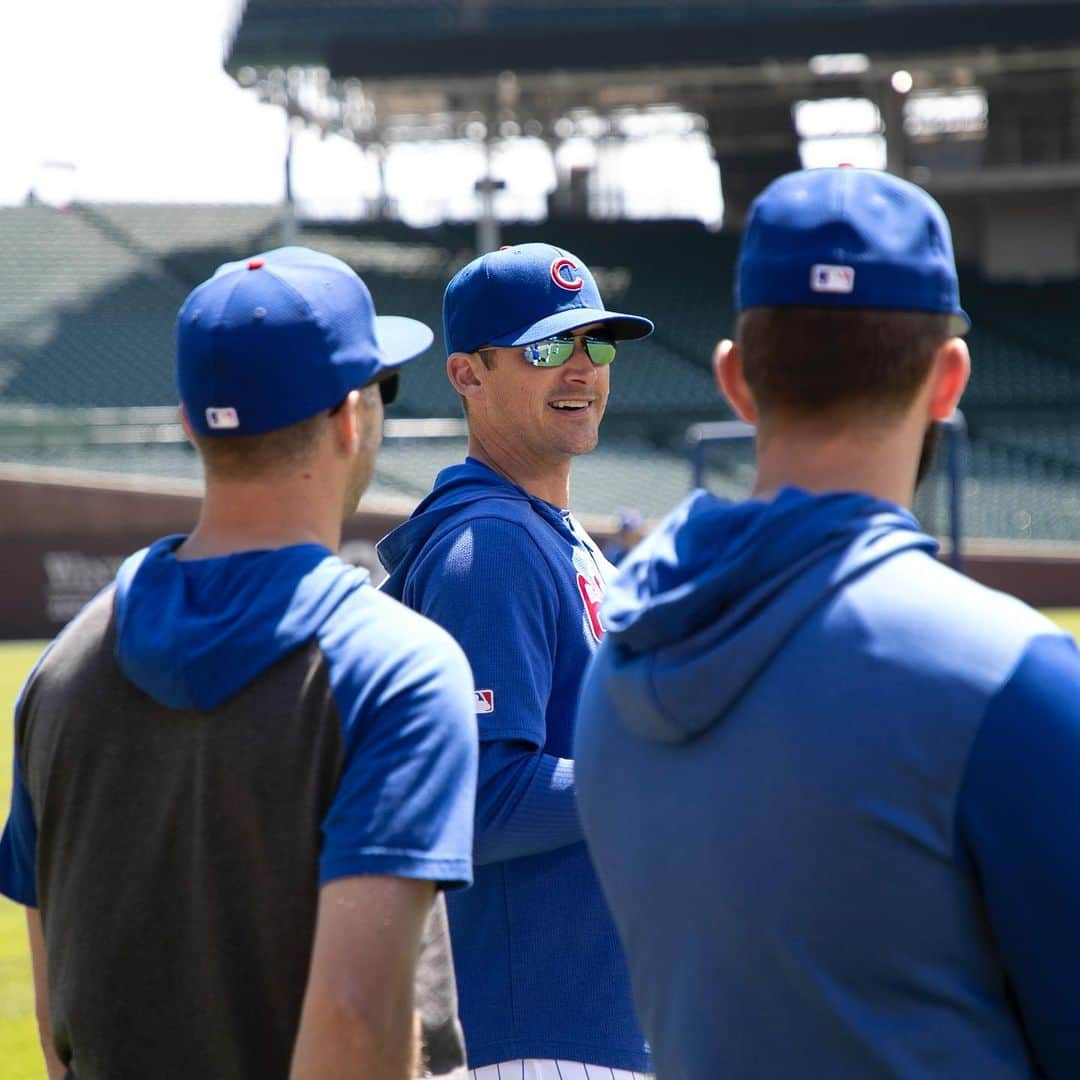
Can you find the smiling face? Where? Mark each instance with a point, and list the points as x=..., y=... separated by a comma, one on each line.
x=548, y=414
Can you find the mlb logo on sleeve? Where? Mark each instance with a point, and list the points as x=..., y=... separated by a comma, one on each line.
x=484, y=700
x=832, y=279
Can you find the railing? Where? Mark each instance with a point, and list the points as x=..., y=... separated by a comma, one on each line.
x=699, y=437
x=40, y=427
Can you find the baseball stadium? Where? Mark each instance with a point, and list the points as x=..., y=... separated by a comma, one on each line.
x=473, y=124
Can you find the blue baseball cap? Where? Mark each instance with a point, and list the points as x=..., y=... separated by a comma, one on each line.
x=276, y=338
x=525, y=293
x=848, y=238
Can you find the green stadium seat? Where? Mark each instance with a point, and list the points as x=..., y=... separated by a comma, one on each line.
x=91, y=294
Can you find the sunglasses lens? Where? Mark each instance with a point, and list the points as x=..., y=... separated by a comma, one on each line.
x=601, y=352
x=556, y=351
x=551, y=353
x=388, y=389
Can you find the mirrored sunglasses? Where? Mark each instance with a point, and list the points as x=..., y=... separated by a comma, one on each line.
x=555, y=351
x=388, y=389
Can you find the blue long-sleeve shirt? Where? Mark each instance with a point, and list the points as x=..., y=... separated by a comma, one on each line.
x=518, y=583
x=525, y=803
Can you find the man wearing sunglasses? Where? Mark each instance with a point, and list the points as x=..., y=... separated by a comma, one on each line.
x=494, y=555
x=242, y=774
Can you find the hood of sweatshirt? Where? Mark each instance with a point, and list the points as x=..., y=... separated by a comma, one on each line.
x=458, y=488
x=701, y=606
x=191, y=633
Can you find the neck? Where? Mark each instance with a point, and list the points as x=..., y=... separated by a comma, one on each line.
x=878, y=460
x=248, y=516
x=547, y=480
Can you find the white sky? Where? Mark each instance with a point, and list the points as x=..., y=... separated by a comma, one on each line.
x=132, y=94
x=126, y=101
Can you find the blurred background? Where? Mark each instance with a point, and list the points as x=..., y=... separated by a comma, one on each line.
x=144, y=144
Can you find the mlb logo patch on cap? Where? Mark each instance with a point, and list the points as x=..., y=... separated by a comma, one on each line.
x=839, y=223
x=272, y=340
x=832, y=279
x=484, y=701
x=222, y=418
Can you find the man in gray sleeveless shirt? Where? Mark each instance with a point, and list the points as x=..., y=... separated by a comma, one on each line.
x=241, y=773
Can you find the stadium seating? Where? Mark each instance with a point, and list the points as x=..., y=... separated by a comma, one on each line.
x=90, y=296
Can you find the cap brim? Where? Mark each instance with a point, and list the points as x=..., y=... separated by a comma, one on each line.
x=959, y=323
x=401, y=339
x=623, y=327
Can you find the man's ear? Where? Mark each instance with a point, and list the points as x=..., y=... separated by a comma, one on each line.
x=463, y=371
x=949, y=376
x=185, y=422
x=346, y=422
x=728, y=372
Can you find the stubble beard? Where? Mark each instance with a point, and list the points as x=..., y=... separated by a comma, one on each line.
x=577, y=443
x=358, y=483
x=928, y=453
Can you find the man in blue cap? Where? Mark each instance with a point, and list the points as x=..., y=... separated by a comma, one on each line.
x=494, y=555
x=241, y=773
x=829, y=784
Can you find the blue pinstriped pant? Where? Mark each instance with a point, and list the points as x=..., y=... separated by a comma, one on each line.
x=538, y=1069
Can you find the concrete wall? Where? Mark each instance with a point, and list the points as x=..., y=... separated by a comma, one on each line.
x=62, y=536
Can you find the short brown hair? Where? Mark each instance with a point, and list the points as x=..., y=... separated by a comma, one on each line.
x=252, y=457
x=801, y=362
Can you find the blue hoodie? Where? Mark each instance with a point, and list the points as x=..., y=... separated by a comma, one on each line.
x=518, y=582
x=829, y=788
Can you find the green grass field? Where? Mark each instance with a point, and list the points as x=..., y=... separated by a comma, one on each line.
x=20, y=1057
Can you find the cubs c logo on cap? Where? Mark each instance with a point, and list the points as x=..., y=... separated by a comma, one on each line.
x=564, y=274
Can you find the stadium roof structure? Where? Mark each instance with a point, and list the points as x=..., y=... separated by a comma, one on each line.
x=412, y=39
x=383, y=72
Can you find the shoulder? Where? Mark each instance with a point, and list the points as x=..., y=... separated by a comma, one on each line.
x=83, y=643
x=1044, y=684
x=1023, y=765
x=87, y=630
x=487, y=546
x=385, y=662
x=937, y=618
x=915, y=579
x=1030, y=731
x=490, y=508
x=374, y=633
x=398, y=681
